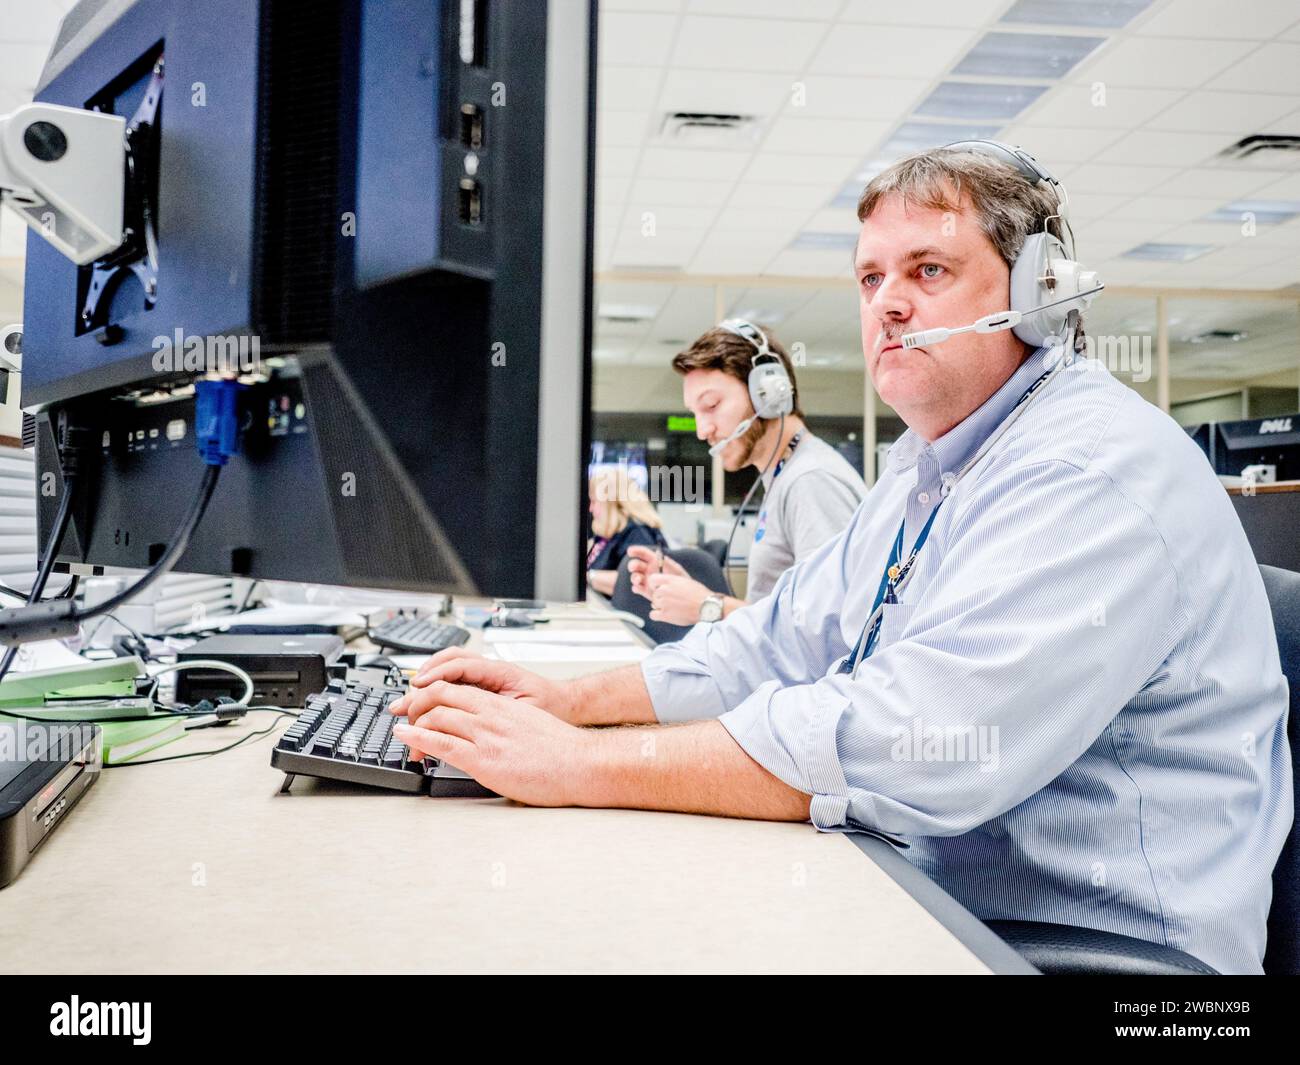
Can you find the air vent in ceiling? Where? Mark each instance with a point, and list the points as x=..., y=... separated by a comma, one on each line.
x=1213, y=335
x=1270, y=150
x=708, y=129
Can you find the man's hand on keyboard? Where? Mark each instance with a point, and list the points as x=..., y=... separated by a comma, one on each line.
x=455, y=665
x=507, y=744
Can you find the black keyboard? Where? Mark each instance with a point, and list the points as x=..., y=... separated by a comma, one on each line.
x=346, y=733
x=418, y=636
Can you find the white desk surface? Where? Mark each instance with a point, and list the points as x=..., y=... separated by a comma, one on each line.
x=203, y=866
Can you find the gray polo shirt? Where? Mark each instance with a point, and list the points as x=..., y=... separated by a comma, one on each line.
x=811, y=501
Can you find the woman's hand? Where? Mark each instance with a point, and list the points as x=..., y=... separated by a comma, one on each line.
x=645, y=562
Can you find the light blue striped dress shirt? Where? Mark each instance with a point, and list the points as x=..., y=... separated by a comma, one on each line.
x=1076, y=711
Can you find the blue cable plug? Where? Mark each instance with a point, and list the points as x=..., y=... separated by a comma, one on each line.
x=216, y=419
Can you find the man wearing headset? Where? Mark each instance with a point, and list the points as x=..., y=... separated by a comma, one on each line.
x=739, y=383
x=1041, y=654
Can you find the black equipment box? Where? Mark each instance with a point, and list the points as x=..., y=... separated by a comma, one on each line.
x=285, y=669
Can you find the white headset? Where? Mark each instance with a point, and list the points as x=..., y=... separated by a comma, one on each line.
x=770, y=389
x=1047, y=282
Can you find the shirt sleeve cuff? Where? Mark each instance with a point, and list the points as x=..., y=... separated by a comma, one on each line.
x=681, y=689
x=802, y=751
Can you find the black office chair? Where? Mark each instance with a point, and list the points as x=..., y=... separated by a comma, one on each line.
x=1066, y=950
x=718, y=549
x=700, y=565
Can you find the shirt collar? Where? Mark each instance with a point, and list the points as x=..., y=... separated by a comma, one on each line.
x=958, y=444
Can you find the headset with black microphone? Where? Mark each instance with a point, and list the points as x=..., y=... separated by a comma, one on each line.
x=1048, y=283
x=770, y=390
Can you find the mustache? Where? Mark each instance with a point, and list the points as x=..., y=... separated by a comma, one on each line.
x=890, y=333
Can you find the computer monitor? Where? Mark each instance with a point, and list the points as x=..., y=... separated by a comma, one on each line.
x=378, y=214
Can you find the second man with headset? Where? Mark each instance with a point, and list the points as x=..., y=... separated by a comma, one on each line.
x=739, y=383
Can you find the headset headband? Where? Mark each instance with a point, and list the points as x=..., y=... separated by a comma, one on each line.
x=750, y=332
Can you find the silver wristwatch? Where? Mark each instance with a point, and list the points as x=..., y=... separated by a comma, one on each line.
x=711, y=608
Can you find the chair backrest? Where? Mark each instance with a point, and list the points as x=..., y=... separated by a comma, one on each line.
x=718, y=549
x=698, y=564
x=1282, y=956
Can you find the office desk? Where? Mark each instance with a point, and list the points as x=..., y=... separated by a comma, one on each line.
x=203, y=866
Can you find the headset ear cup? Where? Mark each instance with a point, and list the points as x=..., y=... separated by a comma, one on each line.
x=1028, y=292
x=770, y=390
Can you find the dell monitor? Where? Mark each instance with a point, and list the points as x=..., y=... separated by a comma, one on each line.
x=375, y=217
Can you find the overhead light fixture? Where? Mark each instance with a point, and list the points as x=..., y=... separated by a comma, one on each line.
x=814, y=241
x=1229, y=336
x=977, y=100
x=758, y=314
x=1266, y=212
x=1168, y=253
x=705, y=129
x=626, y=312
x=1100, y=14
x=1026, y=55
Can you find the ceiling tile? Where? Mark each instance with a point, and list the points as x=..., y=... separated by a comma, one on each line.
x=731, y=92
x=1110, y=106
x=615, y=162
x=1118, y=179
x=1238, y=113
x=1166, y=208
x=627, y=88
x=803, y=169
x=826, y=96
x=755, y=193
x=638, y=38
x=679, y=192
x=943, y=13
x=805, y=135
x=664, y=219
x=1054, y=145
x=659, y=162
x=764, y=219
x=1261, y=20
x=837, y=264
x=1149, y=147
x=1271, y=68
x=1223, y=181
x=1162, y=62
x=621, y=129
x=745, y=44
x=815, y=10
x=891, y=51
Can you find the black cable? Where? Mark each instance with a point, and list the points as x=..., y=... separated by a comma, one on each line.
x=216, y=750
x=170, y=557
x=66, y=593
x=248, y=596
x=726, y=555
x=61, y=519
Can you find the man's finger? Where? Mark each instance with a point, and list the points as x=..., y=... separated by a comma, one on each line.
x=466, y=669
x=448, y=720
x=445, y=655
x=446, y=748
x=419, y=701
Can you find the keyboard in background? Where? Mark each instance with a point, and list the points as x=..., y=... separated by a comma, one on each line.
x=346, y=733
x=418, y=636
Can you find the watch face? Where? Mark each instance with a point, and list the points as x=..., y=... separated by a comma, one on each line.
x=710, y=610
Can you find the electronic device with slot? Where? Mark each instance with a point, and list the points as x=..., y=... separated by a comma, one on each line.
x=44, y=771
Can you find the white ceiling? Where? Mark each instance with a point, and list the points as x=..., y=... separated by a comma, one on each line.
x=830, y=83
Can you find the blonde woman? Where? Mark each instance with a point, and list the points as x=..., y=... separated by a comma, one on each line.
x=621, y=515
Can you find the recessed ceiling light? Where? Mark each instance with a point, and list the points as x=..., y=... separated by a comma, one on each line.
x=627, y=312
x=1026, y=55
x=1168, y=253
x=1266, y=212
x=1106, y=13
x=758, y=314
x=814, y=241
x=974, y=100
x=913, y=137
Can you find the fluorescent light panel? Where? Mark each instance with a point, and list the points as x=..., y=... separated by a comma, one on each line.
x=1168, y=253
x=1026, y=55
x=1099, y=14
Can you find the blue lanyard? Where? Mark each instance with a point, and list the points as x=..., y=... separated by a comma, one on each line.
x=761, y=528
x=895, y=573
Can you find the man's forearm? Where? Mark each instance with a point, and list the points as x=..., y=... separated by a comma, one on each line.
x=693, y=768
x=614, y=697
